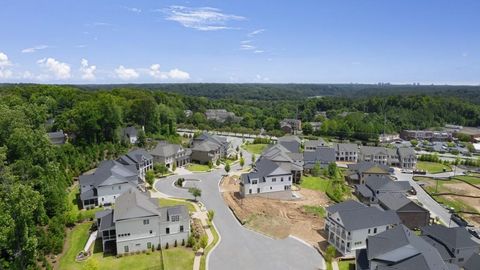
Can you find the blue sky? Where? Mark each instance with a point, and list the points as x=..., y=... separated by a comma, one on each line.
x=270, y=41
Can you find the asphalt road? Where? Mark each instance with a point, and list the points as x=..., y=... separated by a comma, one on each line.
x=239, y=247
x=428, y=202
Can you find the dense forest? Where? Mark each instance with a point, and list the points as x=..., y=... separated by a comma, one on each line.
x=35, y=175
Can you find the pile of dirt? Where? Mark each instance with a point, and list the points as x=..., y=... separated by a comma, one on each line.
x=278, y=218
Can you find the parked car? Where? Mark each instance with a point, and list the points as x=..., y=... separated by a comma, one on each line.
x=421, y=172
x=459, y=220
x=475, y=233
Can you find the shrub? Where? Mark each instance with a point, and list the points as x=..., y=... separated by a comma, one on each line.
x=183, y=242
x=166, y=246
x=175, y=244
x=191, y=241
x=210, y=214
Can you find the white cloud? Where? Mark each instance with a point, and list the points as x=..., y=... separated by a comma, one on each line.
x=35, y=48
x=260, y=78
x=174, y=74
x=88, y=72
x=4, y=63
x=258, y=51
x=247, y=47
x=256, y=32
x=245, y=41
x=203, y=18
x=126, y=73
x=133, y=9
x=58, y=69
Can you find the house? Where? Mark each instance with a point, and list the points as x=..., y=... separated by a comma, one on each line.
x=291, y=143
x=429, y=135
x=316, y=125
x=348, y=224
x=346, y=152
x=266, y=178
x=377, y=184
x=374, y=154
x=407, y=157
x=399, y=249
x=137, y=223
x=388, y=138
x=313, y=145
x=472, y=132
x=292, y=162
x=455, y=244
x=322, y=156
x=221, y=116
x=411, y=214
x=57, y=137
x=130, y=134
x=291, y=126
x=358, y=171
x=107, y=183
x=208, y=148
x=170, y=154
x=141, y=159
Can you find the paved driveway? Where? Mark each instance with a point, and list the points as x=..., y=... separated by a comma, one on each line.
x=239, y=247
x=428, y=202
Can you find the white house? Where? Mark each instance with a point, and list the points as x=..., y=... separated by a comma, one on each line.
x=138, y=223
x=346, y=152
x=348, y=225
x=130, y=134
x=267, y=177
x=141, y=159
x=107, y=183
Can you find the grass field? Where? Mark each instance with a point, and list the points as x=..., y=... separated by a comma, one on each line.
x=315, y=183
x=346, y=265
x=433, y=167
x=175, y=258
x=73, y=205
x=216, y=238
x=315, y=210
x=167, y=202
x=198, y=168
x=470, y=179
x=256, y=149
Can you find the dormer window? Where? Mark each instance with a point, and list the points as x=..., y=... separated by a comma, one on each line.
x=175, y=218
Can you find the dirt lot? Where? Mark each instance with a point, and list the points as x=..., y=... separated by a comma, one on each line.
x=278, y=218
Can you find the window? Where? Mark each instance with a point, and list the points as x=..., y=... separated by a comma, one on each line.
x=460, y=259
x=270, y=188
x=375, y=230
x=175, y=218
x=254, y=182
x=368, y=230
x=146, y=222
x=274, y=179
x=119, y=187
x=167, y=231
x=149, y=245
x=258, y=190
x=357, y=243
x=151, y=231
x=250, y=191
x=125, y=248
x=289, y=178
x=281, y=179
x=181, y=228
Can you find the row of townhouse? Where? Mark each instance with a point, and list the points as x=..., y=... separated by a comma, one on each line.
x=137, y=223
x=436, y=248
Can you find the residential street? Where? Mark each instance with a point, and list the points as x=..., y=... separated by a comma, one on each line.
x=239, y=247
x=427, y=201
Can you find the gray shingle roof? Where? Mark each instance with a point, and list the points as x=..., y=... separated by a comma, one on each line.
x=382, y=183
x=355, y=215
x=179, y=210
x=263, y=168
x=364, y=191
x=473, y=263
x=134, y=157
x=315, y=143
x=400, y=248
x=130, y=131
x=373, y=150
x=106, y=219
x=109, y=172
x=345, y=147
x=164, y=149
x=394, y=201
x=134, y=204
x=322, y=155
x=406, y=152
x=457, y=237
x=363, y=166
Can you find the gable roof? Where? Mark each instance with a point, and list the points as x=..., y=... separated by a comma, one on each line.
x=345, y=147
x=165, y=149
x=373, y=150
x=406, y=152
x=110, y=172
x=264, y=168
x=135, y=157
x=473, y=263
x=400, y=248
x=356, y=216
x=456, y=237
x=134, y=204
x=399, y=202
x=382, y=183
x=315, y=143
x=369, y=167
x=322, y=155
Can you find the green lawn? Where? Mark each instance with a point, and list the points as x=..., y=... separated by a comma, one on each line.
x=168, y=202
x=76, y=240
x=73, y=205
x=433, y=167
x=256, y=149
x=346, y=265
x=177, y=258
x=198, y=168
x=318, y=211
x=216, y=237
x=315, y=183
x=470, y=179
